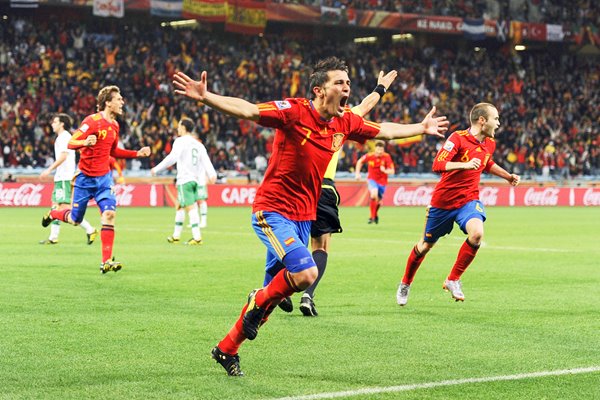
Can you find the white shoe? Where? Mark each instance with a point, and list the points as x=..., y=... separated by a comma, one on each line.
x=402, y=294
x=455, y=289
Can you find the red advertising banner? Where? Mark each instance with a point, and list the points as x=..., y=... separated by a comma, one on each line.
x=40, y=195
x=398, y=195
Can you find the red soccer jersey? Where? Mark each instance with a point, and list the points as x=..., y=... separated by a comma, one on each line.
x=95, y=160
x=303, y=146
x=374, y=164
x=458, y=187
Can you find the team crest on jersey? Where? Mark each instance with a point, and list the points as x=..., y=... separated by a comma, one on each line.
x=282, y=105
x=448, y=146
x=83, y=128
x=338, y=139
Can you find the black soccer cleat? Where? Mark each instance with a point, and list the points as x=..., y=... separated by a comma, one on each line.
x=286, y=305
x=376, y=220
x=253, y=317
x=46, y=219
x=307, y=306
x=229, y=362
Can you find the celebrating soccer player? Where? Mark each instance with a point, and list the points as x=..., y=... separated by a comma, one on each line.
x=379, y=166
x=308, y=132
x=328, y=219
x=97, y=139
x=461, y=160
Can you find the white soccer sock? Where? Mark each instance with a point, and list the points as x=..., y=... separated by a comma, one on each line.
x=195, y=221
x=54, y=230
x=179, y=218
x=87, y=226
x=203, y=214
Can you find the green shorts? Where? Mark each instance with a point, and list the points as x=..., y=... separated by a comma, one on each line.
x=62, y=192
x=189, y=193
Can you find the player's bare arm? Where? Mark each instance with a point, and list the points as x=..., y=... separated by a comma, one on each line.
x=197, y=90
x=357, y=169
x=474, y=163
x=367, y=104
x=387, y=171
x=435, y=126
x=513, y=179
x=144, y=152
x=59, y=160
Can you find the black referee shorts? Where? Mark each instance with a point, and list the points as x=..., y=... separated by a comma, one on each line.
x=328, y=219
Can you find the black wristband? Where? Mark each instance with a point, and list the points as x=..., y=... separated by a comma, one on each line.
x=380, y=89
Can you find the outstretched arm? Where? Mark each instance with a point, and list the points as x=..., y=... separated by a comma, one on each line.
x=497, y=170
x=430, y=125
x=357, y=169
x=367, y=104
x=197, y=90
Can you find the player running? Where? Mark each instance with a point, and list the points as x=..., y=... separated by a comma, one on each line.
x=97, y=139
x=461, y=160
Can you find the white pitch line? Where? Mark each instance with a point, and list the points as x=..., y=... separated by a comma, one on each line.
x=429, y=385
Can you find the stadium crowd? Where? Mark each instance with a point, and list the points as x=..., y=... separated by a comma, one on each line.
x=547, y=100
x=580, y=12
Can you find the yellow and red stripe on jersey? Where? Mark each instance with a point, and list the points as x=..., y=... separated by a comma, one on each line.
x=266, y=107
x=373, y=124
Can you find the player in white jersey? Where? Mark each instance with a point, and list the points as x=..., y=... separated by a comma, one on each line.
x=64, y=165
x=193, y=170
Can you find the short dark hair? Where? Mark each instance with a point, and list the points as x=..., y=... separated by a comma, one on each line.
x=480, y=110
x=319, y=74
x=65, y=119
x=188, y=124
x=380, y=143
x=106, y=94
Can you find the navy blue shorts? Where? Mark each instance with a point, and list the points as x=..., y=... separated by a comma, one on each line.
x=281, y=236
x=440, y=222
x=374, y=185
x=97, y=187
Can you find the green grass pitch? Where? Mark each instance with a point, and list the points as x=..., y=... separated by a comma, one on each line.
x=532, y=304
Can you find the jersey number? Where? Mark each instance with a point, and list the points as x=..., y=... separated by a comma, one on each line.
x=194, y=156
x=465, y=157
x=102, y=134
x=308, y=133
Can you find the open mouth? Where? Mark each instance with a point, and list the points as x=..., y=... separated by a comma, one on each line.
x=343, y=102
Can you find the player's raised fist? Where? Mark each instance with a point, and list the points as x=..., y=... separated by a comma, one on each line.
x=90, y=140
x=144, y=152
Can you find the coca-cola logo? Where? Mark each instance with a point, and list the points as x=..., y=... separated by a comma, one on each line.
x=420, y=196
x=28, y=194
x=233, y=195
x=545, y=197
x=591, y=198
x=488, y=196
x=124, y=194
